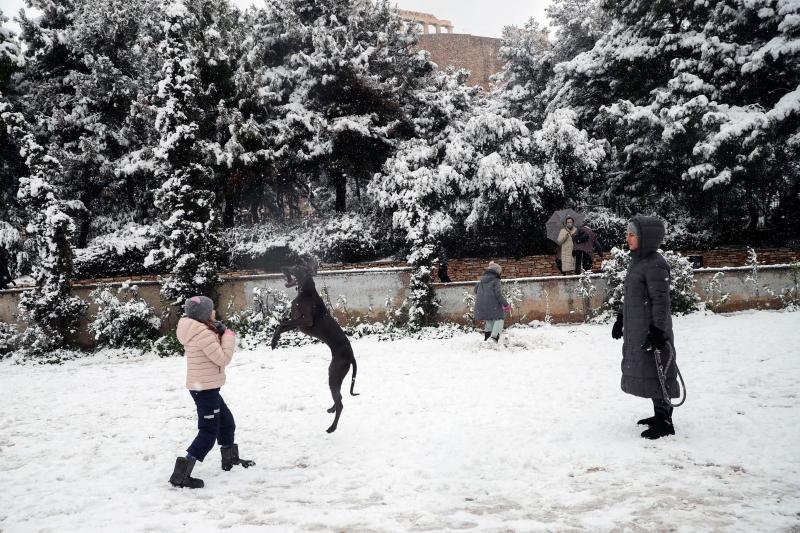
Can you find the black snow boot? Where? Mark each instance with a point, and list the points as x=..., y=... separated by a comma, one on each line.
x=496, y=339
x=230, y=457
x=662, y=409
x=486, y=335
x=661, y=426
x=181, y=475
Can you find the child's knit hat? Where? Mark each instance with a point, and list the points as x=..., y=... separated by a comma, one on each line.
x=199, y=308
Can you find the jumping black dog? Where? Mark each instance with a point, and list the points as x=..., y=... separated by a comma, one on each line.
x=310, y=316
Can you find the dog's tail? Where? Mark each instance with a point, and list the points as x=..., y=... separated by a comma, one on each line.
x=353, y=381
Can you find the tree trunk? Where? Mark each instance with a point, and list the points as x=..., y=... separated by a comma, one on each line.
x=229, y=210
x=83, y=231
x=340, y=183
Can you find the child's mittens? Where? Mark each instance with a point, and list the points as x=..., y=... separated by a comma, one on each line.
x=229, y=333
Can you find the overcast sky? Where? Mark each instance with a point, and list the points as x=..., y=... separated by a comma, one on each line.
x=478, y=17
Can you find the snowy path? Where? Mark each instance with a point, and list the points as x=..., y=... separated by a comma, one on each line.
x=445, y=436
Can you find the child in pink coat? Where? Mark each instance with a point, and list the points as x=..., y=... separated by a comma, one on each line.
x=208, y=346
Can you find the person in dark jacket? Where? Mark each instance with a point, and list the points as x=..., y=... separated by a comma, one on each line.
x=645, y=324
x=5, y=276
x=443, y=277
x=490, y=304
x=585, y=244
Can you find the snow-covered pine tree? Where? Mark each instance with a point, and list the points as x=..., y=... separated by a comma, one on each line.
x=530, y=87
x=100, y=136
x=353, y=71
x=528, y=58
x=531, y=83
x=88, y=62
x=247, y=145
x=699, y=101
x=219, y=49
x=50, y=310
x=11, y=57
x=408, y=191
x=189, y=222
x=12, y=164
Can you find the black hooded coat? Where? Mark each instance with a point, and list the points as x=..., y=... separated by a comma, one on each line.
x=647, y=303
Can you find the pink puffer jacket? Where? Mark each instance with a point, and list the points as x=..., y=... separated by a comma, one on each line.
x=206, y=354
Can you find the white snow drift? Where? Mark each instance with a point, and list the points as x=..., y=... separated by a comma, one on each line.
x=447, y=434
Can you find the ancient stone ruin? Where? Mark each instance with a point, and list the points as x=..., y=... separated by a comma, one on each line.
x=426, y=22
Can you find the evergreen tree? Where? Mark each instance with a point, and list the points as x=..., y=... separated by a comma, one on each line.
x=532, y=83
x=88, y=64
x=474, y=172
x=350, y=78
x=12, y=164
x=248, y=155
x=189, y=222
x=699, y=103
x=107, y=147
x=51, y=312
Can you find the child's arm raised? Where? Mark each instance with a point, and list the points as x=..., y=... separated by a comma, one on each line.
x=220, y=351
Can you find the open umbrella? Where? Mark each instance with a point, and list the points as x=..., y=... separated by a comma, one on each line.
x=556, y=222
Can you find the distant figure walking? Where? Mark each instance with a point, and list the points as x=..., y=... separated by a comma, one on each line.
x=490, y=304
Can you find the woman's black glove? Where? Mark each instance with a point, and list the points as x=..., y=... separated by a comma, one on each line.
x=616, y=331
x=655, y=340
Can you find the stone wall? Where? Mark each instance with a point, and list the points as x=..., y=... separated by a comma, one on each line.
x=555, y=297
x=366, y=292
x=737, y=257
x=558, y=297
x=469, y=269
x=479, y=55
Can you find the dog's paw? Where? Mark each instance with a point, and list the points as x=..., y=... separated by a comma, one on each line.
x=332, y=410
x=331, y=429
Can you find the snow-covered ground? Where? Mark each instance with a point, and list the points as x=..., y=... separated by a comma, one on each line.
x=447, y=435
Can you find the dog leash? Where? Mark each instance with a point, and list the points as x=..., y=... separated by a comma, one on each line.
x=662, y=374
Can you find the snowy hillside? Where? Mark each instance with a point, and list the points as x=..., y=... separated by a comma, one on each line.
x=447, y=434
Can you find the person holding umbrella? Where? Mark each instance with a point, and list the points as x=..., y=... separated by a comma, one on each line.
x=566, y=245
x=561, y=228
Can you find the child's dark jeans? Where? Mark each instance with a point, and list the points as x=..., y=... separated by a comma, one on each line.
x=214, y=423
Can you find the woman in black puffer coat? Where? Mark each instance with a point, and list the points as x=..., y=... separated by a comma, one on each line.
x=645, y=324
